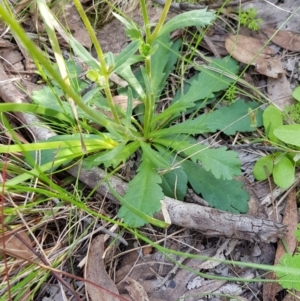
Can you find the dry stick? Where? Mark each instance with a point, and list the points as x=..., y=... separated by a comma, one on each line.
x=213, y=222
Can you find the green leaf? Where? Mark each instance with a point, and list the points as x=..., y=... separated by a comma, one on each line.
x=192, y=18
x=128, y=75
x=208, y=82
x=221, y=194
x=132, y=30
x=203, y=87
x=272, y=119
x=49, y=98
x=45, y=98
x=112, y=157
x=289, y=134
x=145, y=217
x=68, y=146
x=221, y=162
x=176, y=141
x=263, y=167
x=174, y=181
x=289, y=280
x=85, y=55
x=162, y=63
x=35, y=109
x=121, y=157
x=234, y=118
x=191, y=127
x=105, y=158
x=174, y=110
x=144, y=193
x=296, y=93
x=284, y=172
x=297, y=232
x=128, y=52
x=155, y=157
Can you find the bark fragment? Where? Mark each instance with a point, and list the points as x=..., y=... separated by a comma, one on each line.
x=209, y=221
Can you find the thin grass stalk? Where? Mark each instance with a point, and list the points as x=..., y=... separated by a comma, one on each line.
x=104, y=67
x=38, y=56
x=161, y=21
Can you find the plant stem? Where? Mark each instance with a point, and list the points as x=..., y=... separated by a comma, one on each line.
x=161, y=21
x=149, y=98
x=104, y=69
x=146, y=20
x=149, y=101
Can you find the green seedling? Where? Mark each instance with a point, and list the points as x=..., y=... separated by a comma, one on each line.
x=280, y=164
x=248, y=18
x=288, y=260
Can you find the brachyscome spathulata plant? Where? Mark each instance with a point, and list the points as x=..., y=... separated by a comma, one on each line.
x=168, y=149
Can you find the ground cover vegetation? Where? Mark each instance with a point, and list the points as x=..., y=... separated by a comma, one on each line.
x=172, y=142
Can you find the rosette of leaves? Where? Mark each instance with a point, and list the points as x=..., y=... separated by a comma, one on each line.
x=171, y=158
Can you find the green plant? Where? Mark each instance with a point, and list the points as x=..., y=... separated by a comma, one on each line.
x=288, y=260
x=169, y=151
x=292, y=113
x=249, y=19
x=296, y=93
x=281, y=164
x=231, y=94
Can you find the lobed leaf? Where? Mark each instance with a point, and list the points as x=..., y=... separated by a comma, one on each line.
x=203, y=87
x=221, y=162
x=144, y=193
x=191, y=127
x=222, y=194
x=234, y=118
x=200, y=17
x=112, y=157
x=289, y=280
x=174, y=180
x=129, y=76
